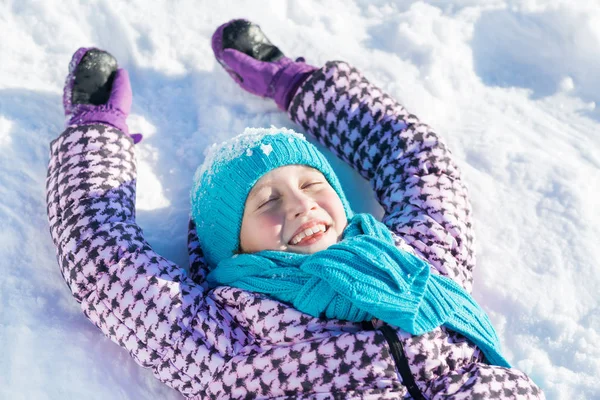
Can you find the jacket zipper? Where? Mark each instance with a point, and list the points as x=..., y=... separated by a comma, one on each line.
x=401, y=362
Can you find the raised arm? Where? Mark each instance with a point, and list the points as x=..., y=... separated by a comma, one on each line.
x=409, y=167
x=140, y=300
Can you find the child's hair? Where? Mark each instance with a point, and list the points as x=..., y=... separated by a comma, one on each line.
x=230, y=170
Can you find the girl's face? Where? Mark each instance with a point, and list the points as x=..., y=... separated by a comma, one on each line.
x=292, y=208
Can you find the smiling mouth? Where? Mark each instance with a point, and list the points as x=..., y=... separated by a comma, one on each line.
x=309, y=235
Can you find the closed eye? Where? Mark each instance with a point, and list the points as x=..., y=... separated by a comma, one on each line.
x=309, y=184
x=270, y=200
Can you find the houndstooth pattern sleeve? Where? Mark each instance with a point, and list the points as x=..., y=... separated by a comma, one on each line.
x=409, y=167
x=197, y=265
x=143, y=302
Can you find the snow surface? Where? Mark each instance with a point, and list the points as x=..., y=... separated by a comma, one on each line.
x=219, y=153
x=512, y=85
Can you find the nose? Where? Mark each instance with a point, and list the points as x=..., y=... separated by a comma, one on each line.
x=300, y=204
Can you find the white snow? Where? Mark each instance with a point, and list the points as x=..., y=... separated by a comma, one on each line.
x=510, y=84
x=241, y=143
x=266, y=149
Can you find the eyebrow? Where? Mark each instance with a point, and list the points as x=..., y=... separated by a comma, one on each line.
x=254, y=191
x=257, y=188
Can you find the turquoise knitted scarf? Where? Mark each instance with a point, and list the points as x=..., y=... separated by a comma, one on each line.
x=364, y=276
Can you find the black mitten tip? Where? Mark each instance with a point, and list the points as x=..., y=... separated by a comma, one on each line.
x=94, y=76
x=248, y=38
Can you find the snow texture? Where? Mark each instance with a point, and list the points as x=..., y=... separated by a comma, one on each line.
x=512, y=86
x=221, y=153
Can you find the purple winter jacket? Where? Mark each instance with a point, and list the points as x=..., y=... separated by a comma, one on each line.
x=230, y=343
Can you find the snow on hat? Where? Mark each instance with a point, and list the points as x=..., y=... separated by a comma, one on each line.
x=230, y=170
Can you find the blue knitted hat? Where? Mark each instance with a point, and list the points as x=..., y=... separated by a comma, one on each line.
x=230, y=170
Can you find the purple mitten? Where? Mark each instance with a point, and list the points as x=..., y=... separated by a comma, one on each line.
x=256, y=64
x=97, y=92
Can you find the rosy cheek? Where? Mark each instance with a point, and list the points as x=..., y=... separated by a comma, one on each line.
x=269, y=228
x=334, y=207
x=332, y=200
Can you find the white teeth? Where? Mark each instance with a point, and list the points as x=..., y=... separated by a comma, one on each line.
x=299, y=237
x=308, y=232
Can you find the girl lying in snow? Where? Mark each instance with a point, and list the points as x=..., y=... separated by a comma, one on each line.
x=290, y=294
